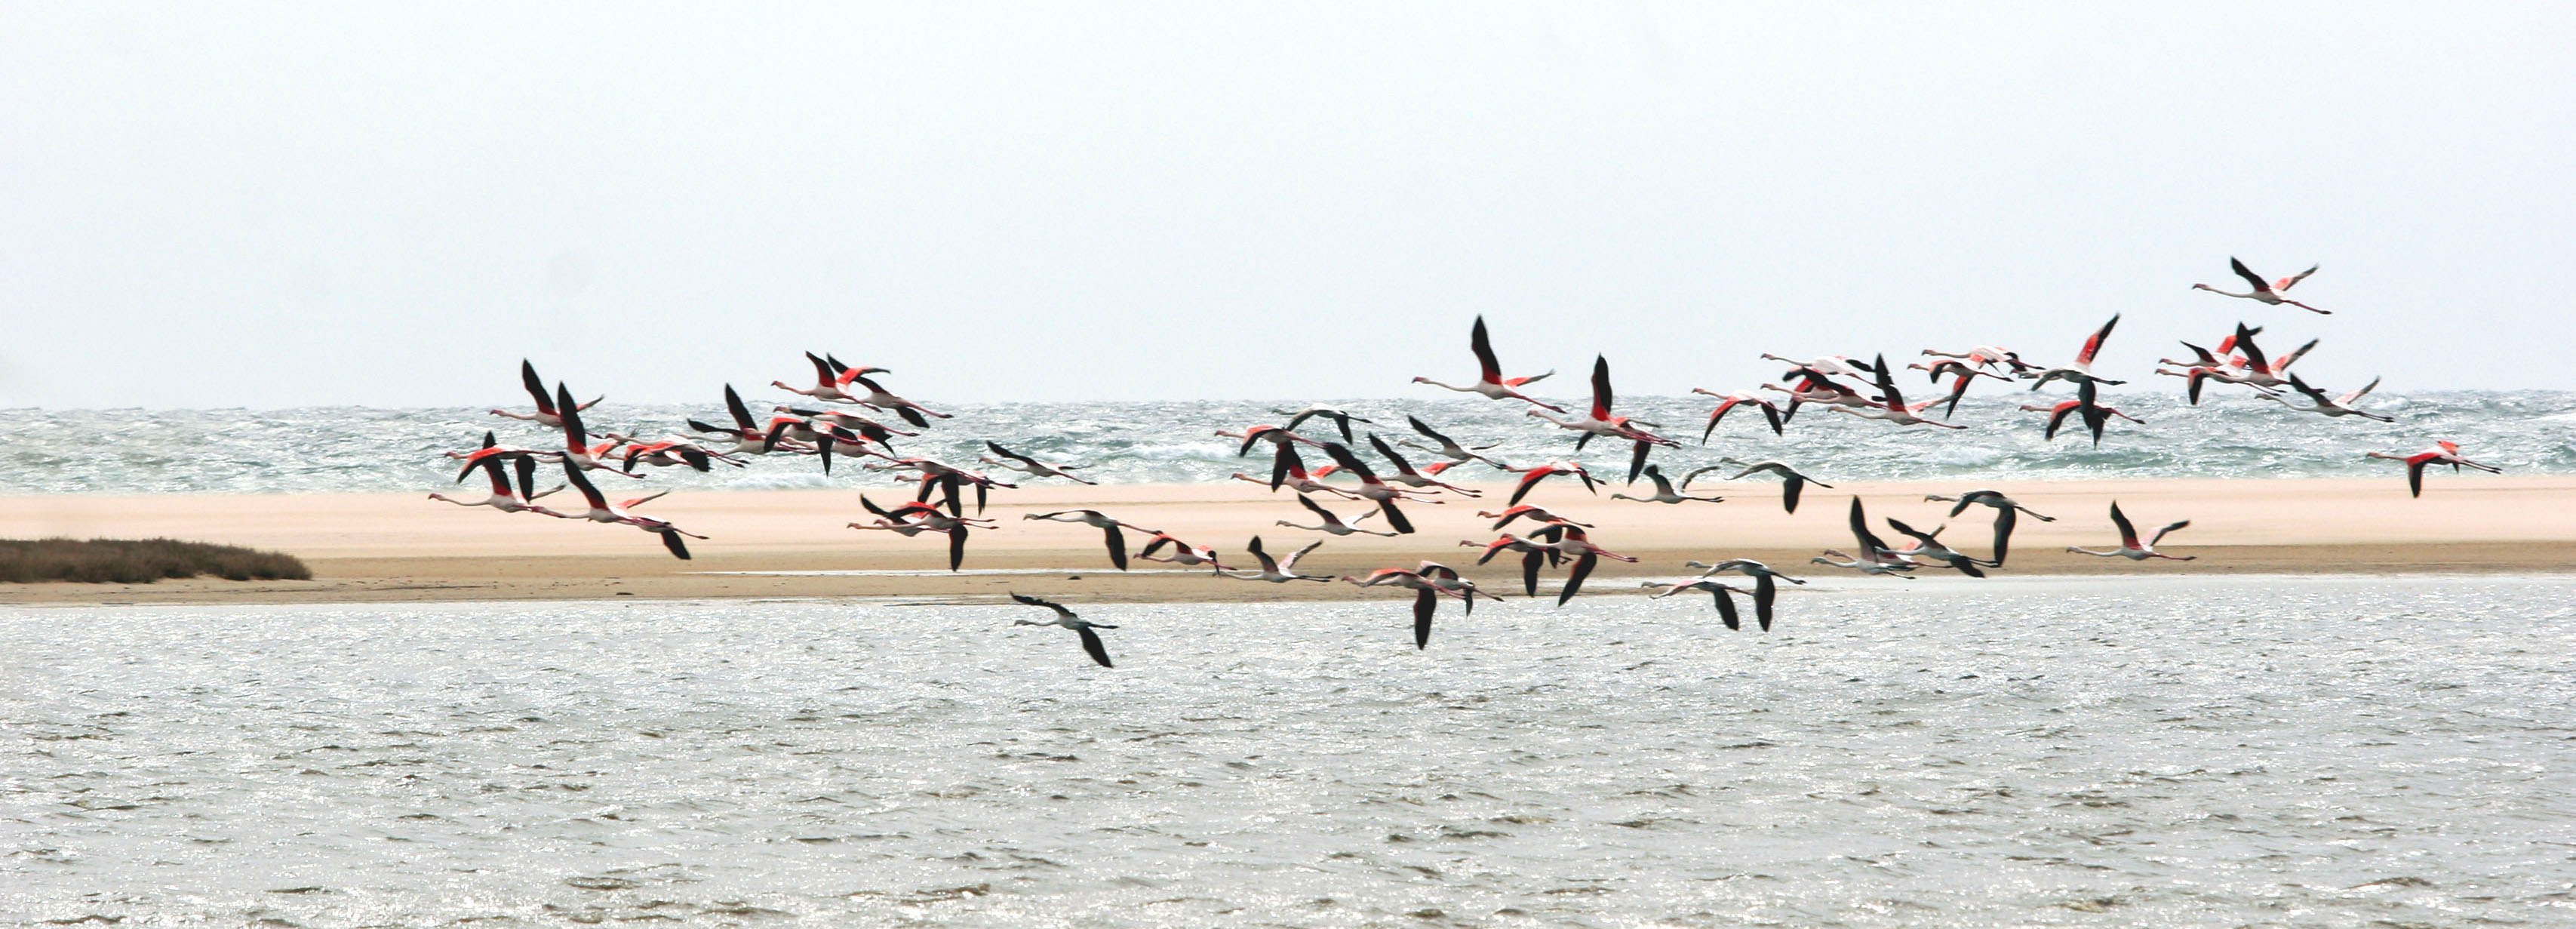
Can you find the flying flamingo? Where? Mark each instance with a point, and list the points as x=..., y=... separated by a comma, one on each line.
x=1791, y=482
x=2263, y=292
x=1490, y=383
x=1407, y=476
x=1725, y=605
x=602, y=512
x=2094, y=414
x=1340, y=417
x=2004, y=507
x=1183, y=553
x=2441, y=453
x=505, y=498
x=1892, y=407
x=1091, y=644
x=1927, y=546
x=1765, y=587
x=1531, y=476
x=1097, y=520
x=2081, y=369
x=1426, y=597
x=1031, y=466
x=1730, y=401
x=2132, y=549
x=749, y=437
x=546, y=414
x=1538, y=514
x=1989, y=357
x=1570, y=542
x=1875, y=557
x=1531, y=554
x=878, y=398
x=1447, y=448
x=578, y=451
x=827, y=380
x=1373, y=489
x=1278, y=571
x=2331, y=406
x=1333, y=524
x=1664, y=492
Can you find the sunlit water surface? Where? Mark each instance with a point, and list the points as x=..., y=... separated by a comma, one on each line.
x=2174, y=752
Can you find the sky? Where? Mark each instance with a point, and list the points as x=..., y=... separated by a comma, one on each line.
x=221, y=205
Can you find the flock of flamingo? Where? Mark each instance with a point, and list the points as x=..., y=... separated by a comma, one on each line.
x=834, y=426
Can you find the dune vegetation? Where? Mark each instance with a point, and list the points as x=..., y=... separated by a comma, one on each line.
x=130, y=561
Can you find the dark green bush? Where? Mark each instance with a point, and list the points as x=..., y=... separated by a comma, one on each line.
x=126, y=561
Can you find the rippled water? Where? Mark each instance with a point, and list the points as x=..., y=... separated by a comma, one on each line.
x=2163, y=752
x=360, y=449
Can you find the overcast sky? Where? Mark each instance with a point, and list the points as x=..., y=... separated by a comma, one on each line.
x=231, y=204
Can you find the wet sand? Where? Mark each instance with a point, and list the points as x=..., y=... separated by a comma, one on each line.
x=402, y=547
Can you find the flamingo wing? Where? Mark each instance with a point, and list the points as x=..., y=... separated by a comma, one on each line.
x=2093, y=346
x=1483, y=345
x=1600, y=388
x=2128, y=533
x=536, y=386
x=1091, y=645
x=2261, y=286
x=2293, y=280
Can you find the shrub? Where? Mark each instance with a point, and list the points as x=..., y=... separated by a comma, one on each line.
x=127, y=561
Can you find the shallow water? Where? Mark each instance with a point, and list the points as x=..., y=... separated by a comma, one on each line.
x=2166, y=752
x=356, y=449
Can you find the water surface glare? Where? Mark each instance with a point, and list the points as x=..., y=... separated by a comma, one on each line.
x=2165, y=752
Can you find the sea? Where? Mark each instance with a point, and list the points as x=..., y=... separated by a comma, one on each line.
x=2230, y=434
x=2210, y=751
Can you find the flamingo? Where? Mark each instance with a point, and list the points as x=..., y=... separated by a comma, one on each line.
x=1792, y=483
x=1725, y=605
x=1450, y=582
x=925, y=517
x=2331, y=406
x=1531, y=554
x=1031, y=466
x=578, y=451
x=506, y=498
x=1927, y=545
x=1600, y=423
x=1875, y=557
x=1097, y=520
x=2132, y=549
x=1426, y=597
x=1447, y=448
x=1535, y=513
x=1892, y=407
x=1570, y=542
x=1765, y=588
x=547, y=414
x=1406, y=475
x=2269, y=293
x=2004, y=508
x=1490, y=382
x=2444, y=452
x=2081, y=369
x=1183, y=553
x=748, y=435
x=1091, y=644
x=1333, y=524
x=2095, y=415
x=1664, y=492
x=1989, y=357
x=1816, y=389
x=827, y=381
x=1371, y=488
x=1531, y=476
x=1729, y=401
x=1339, y=416
x=1280, y=571
x=1832, y=365
x=601, y=512
x=878, y=398
x=1289, y=471
x=1964, y=376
